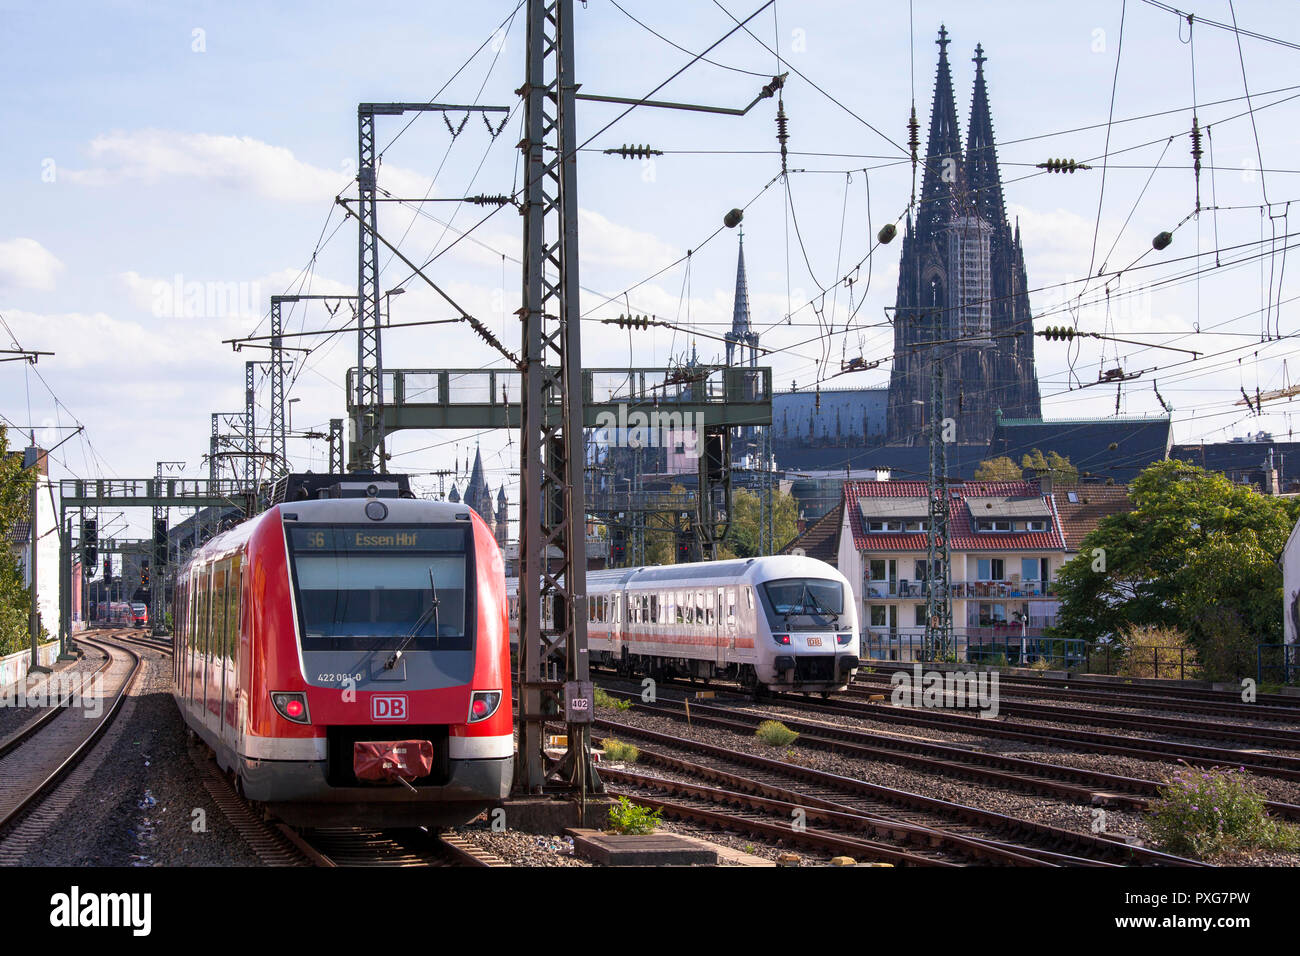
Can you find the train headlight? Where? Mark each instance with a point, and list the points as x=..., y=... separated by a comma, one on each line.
x=292, y=707
x=843, y=639
x=781, y=638
x=483, y=704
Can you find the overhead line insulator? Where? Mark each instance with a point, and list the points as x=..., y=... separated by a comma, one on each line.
x=634, y=151
x=1062, y=166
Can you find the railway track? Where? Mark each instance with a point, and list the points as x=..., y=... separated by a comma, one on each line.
x=1012, y=705
x=1141, y=748
x=1144, y=687
x=277, y=844
x=885, y=813
x=35, y=758
x=1120, y=696
x=1088, y=787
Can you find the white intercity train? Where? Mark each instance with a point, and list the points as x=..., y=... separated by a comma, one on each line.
x=780, y=623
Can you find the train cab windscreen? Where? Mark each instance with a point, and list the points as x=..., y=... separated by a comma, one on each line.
x=803, y=604
x=368, y=588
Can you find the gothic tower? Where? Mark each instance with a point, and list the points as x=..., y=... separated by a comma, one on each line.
x=962, y=296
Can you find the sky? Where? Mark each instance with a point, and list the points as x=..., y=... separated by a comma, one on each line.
x=170, y=166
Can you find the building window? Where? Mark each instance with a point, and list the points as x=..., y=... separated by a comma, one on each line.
x=884, y=526
x=1037, y=524
x=1029, y=569
x=920, y=615
x=878, y=612
x=990, y=569
x=993, y=614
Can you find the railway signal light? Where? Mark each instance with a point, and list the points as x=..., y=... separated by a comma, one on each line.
x=89, y=542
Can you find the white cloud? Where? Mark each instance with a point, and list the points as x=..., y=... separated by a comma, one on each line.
x=239, y=162
x=604, y=242
x=26, y=264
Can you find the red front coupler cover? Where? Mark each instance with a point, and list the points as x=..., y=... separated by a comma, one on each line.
x=389, y=761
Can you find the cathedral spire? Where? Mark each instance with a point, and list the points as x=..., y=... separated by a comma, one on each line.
x=943, y=181
x=740, y=335
x=981, y=154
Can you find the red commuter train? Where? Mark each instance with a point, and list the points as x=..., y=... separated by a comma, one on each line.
x=347, y=660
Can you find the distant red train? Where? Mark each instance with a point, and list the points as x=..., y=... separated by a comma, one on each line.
x=347, y=660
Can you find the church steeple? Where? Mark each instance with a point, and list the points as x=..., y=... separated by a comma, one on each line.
x=741, y=338
x=982, y=178
x=943, y=182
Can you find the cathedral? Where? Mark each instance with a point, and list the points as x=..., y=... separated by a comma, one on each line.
x=962, y=298
x=478, y=496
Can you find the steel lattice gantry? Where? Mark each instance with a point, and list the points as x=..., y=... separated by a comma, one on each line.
x=938, y=595
x=554, y=675
x=152, y=493
x=365, y=450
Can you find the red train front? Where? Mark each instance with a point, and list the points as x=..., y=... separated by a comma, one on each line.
x=347, y=660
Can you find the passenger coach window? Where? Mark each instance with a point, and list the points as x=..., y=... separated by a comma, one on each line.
x=368, y=588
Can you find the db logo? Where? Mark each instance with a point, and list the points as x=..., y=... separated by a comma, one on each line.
x=388, y=708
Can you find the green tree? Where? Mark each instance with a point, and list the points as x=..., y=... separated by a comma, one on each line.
x=746, y=517
x=15, y=491
x=1058, y=466
x=997, y=469
x=1197, y=552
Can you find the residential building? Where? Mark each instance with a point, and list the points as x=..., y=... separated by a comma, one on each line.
x=1006, y=547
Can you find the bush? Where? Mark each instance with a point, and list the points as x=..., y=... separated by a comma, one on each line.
x=1204, y=813
x=775, y=734
x=605, y=701
x=619, y=752
x=628, y=817
x=1156, y=651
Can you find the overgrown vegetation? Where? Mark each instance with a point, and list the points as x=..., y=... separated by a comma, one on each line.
x=606, y=701
x=628, y=817
x=620, y=752
x=15, y=489
x=1207, y=813
x=1157, y=652
x=775, y=734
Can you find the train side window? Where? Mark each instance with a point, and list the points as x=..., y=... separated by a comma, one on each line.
x=237, y=602
x=731, y=606
x=749, y=597
x=654, y=609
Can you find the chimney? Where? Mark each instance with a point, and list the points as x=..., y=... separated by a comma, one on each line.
x=1044, y=478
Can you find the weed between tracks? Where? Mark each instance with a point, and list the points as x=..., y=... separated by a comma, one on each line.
x=775, y=734
x=605, y=701
x=628, y=817
x=1208, y=813
x=620, y=752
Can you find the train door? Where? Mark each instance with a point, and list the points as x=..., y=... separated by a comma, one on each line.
x=720, y=628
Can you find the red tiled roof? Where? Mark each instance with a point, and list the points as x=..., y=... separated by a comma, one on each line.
x=1094, y=503
x=962, y=536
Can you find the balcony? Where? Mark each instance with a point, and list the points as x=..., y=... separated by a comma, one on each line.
x=904, y=588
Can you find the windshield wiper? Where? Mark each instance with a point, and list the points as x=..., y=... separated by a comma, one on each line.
x=419, y=623
x=809, y=596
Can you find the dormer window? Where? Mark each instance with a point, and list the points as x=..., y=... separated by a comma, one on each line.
x=1036, y=524
x=882, y=526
